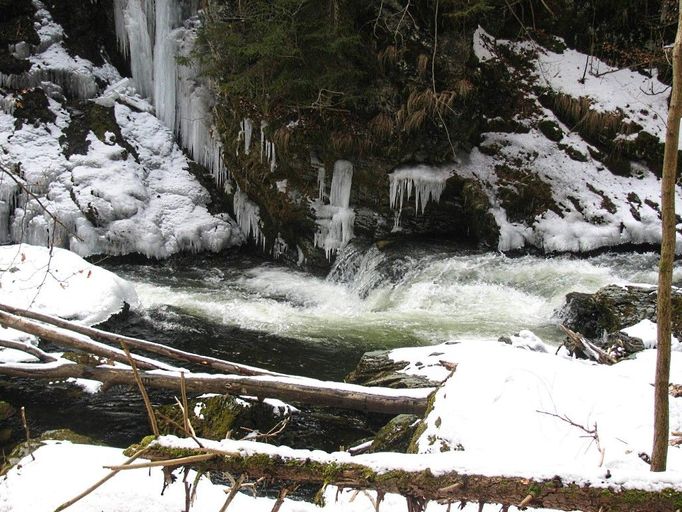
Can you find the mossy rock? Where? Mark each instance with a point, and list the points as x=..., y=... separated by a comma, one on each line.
x=551, y=130
x=221, y=416
x=376, y=368
x=523, y=194
x=28, y=447
x=573, y=153
x=86, y=117
x=64, y=434
x=396, y=435
x=614, y=307
x=32, y=107
x=6, y=410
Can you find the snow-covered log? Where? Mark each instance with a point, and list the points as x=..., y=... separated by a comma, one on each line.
x=330, y=394
x=134, y=343
x=397, y=473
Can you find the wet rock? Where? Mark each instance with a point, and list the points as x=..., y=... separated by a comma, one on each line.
x=376, y=368
x=396, y=435
x=613, y=308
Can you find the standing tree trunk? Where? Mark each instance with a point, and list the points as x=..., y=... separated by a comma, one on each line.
x=661, y=408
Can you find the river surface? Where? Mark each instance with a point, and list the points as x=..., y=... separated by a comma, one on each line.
x=243, y=308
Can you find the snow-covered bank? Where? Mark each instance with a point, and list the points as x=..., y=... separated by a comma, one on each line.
x=61, y=283
x=505, y=411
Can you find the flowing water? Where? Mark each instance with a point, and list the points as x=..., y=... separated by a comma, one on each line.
x=372, y=299
x=242, y=308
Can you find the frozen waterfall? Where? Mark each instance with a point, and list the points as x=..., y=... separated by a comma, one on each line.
x=154, y=34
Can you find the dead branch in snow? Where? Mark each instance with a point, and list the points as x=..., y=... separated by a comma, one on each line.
x=576, y=343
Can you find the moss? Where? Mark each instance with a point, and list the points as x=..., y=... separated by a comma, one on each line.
x=65, y=434
x=86, y=117
x=6, y=410
x=396, y=435
x=83, y=358
x=32, y=107
x=523, y=194
x=573, y=153
x=133, y=448
x=551, y=130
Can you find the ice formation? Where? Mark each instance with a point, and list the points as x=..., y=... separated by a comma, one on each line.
x=247, y=214
x=154, y=35
x=427, y=183
x=335, y=221
x=50, y=62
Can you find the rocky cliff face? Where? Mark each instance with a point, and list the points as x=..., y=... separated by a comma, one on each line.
x=439, y=128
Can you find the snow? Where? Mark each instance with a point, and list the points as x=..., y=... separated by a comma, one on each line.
x=59, y=282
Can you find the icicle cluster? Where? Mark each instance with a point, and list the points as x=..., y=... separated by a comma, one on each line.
x=335, y=221
x=247, y=215
x=152, y=33
x=426, y=183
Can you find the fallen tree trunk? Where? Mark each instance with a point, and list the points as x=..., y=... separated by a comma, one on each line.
x=310, y=391
x=390, y=476
x=64, y=339
x=148, y=346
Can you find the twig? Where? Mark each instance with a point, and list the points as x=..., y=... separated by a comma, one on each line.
x=233, y=492
x=166, y=463
x=143, y=391
x=591, y=432
x=28, y=435
x=280, y=499
x=185, y=406
x=99, y=482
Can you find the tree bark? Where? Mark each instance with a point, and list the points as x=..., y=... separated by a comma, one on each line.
x=452, y=486
x=310, y=391
x=659, y=452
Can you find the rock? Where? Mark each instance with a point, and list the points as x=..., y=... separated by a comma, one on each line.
x=613, y=308
x=396, y=435
x=376, y=368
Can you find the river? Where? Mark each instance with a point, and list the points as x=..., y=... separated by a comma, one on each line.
x=243, y=308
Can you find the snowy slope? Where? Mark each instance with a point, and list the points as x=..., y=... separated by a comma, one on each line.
x=580, y=204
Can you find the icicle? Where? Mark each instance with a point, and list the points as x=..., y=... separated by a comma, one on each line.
x=247, y=215
x=140, y=46
x=247, y=131
x=168, y=17
x=263, y=126
x=335, y=221
x=120, y=24
x=428, y=184
x=342, y=180
x=279, y=247
x=321, y=171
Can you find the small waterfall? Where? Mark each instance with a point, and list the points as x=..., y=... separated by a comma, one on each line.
x=154, y=34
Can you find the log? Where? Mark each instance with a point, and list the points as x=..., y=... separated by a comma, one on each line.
x=578, y=344
x=148, y=346
x=25, y=346
x=65, y=339
x=310, y=391
x=390, y=476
